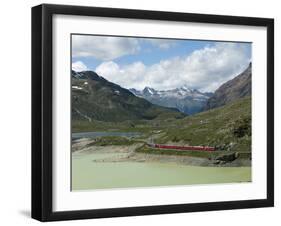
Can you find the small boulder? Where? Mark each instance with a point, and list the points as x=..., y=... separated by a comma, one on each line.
x=216, y=162
x=228, y=157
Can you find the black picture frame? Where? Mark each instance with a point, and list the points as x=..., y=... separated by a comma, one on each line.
x=42, y=111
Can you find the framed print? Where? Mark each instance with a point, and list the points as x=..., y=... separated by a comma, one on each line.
x=145, y=112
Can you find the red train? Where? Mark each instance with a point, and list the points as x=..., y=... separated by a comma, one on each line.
x=190, y=148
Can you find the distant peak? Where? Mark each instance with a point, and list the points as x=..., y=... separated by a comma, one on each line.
x=149, y=90
x=185, y=87
x=188, y=89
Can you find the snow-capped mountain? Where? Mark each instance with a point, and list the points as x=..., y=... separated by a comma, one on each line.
x=185, y=99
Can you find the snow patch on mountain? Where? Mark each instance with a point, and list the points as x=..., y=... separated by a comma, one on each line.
x=76, y=87
x=185, y=99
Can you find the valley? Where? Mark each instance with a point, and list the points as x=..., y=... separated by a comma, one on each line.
x=228, y=129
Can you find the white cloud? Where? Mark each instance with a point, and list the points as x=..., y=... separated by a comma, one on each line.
x=103, y=48
x=109, y=48
x=205, y=69
x=128, y=76
x=79, y=66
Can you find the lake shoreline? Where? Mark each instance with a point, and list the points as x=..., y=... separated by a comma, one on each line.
x=127, y=153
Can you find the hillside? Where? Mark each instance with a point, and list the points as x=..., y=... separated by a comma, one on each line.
x=95, y=98
x=232, y=90
x=226, y=128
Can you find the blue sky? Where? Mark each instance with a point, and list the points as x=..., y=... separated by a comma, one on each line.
x=149, y=53
x=160, y=63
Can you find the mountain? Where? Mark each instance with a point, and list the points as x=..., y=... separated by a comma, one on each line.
x=189, y=101
x=232, y=90
x=95, y=98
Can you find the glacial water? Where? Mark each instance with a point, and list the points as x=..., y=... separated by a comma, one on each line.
x=90, y=174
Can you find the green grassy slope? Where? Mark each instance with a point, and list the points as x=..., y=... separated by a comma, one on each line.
x=226, y=128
